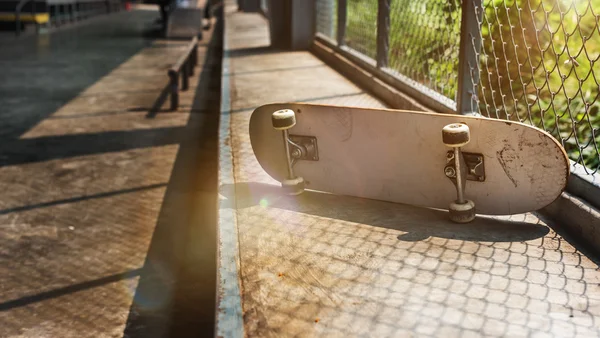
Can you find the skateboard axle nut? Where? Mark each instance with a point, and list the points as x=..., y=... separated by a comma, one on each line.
x=450, y=172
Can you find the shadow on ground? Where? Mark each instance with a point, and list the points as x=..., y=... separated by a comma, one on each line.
x=418, y=223
x=180, y=301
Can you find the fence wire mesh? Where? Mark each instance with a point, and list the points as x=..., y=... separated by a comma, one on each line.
x=539, y=61
x=539, y=65
x=327, y=18
x=361, y=27
x=424, y=42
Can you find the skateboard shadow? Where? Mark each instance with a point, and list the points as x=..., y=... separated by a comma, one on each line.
x=418, y=223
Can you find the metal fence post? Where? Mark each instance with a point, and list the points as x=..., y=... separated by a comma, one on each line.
x=468, y=64
x=341, y=23
x=383, y=33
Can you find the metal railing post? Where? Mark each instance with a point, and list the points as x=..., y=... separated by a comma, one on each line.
x=468, y=57
x=341, y=23
x=191, y=63
x=174, y=89
x=383, y=33
x=185, y=83
x=195, y=55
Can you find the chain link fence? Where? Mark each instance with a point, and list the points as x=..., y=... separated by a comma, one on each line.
x=424, y=40
x=538, y=60
x=361, y=28
x=327, y=18
x=539, y=64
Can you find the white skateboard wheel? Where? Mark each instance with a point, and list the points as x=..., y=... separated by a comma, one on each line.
x=283, y=119
x=293, y=186
x=456, y=135
x=462, y=213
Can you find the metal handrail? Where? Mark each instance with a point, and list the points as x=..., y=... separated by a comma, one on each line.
x=18, y=14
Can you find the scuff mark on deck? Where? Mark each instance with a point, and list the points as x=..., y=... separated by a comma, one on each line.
x=505, y=163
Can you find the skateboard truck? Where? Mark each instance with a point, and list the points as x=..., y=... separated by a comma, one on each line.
x=474, y=163
x=456, y=135
x=284, y=120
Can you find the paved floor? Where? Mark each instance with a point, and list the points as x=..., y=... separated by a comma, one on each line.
x=107, y=210
x=325, y=265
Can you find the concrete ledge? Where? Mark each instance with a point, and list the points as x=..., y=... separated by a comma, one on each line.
x=576, y=219
x=584, y=184
x=229, y=318
x=364, y=79
x=408, y=89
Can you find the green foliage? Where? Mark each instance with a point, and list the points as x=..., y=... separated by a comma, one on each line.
x=424, y=39
x=539, y=63
x=361, y=29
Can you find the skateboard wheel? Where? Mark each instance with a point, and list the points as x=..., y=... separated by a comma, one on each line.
x=293, y=186
x=462, y=213
x=283, y=119
x=456, y=135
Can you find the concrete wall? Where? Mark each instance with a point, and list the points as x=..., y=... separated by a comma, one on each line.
x=292, y=24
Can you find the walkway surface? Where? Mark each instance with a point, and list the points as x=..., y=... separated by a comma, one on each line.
x=105, y=193
x=325, y=265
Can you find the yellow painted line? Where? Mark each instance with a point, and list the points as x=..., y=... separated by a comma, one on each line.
x=39, y=18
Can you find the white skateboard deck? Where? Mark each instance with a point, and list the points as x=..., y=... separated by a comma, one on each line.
x=399, y=156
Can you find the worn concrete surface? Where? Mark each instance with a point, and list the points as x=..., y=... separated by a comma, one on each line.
x=105, y=192
x=325, y=265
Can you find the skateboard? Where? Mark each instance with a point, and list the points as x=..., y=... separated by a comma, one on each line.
x=463, y=164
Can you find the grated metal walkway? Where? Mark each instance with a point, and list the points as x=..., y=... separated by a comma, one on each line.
x=325, y=265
